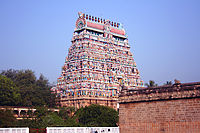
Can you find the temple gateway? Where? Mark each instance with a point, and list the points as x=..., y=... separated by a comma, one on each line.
x=99, y=64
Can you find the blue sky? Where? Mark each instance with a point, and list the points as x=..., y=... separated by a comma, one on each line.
x=164, y=34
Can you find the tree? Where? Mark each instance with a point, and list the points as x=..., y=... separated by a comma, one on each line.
x=168, y=83
x=52, y=120
x=26, y=123
x=97, y=115
x=9, y=93
x=43, y=118
x=10, y=73
x=22, y=78
x=71, y=122
x=25, y=81
x=35, y=92
x=151, y=84
x=7, y=118
x=45, y=91
x=64, y=113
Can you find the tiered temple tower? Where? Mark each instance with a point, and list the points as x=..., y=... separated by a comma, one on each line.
x=98, y=65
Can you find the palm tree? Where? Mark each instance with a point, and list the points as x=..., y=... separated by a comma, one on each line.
x=168, y=83
x=151, y=84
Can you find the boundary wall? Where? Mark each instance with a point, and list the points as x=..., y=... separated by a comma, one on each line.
x=82, y=129
x=163, y=109
x=14, y=130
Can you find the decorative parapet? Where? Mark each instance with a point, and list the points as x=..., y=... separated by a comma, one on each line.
x=89, y=22
x=166, y=92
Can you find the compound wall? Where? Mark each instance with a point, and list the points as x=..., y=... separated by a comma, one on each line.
x=161, y=115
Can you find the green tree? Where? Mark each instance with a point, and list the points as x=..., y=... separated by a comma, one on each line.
x=97, y=115
x=64, y=113
x=151, y=84
x=9, y=93
x=43, y=118
x=51, y=120
x=35, y=92
x=7, y=119
x=26, y=123
x=168, y=83
x=71, y=122
x=45, y=91
x=10, y=73
x=40, y=112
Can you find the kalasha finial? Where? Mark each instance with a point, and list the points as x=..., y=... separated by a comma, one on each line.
x=80, y=14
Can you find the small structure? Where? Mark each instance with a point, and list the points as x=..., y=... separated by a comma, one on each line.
x=21, y=112
x=163, y=109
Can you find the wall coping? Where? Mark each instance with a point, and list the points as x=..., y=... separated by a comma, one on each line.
x=165, y=92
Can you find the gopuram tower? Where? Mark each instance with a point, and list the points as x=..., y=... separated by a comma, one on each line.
x=99, y=64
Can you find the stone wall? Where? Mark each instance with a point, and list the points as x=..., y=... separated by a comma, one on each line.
x=164, y=109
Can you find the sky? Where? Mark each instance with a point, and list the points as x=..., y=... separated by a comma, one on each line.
x=164, y=35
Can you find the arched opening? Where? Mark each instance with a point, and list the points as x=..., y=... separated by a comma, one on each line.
x=16, y=113
x=23, y=113
x=29, y=113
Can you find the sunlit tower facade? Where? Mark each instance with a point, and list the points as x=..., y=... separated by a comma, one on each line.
x=99, y=64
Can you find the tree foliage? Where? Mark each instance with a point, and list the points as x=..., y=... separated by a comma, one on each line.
x=151, y=84
x=97, y=116
x=93, y=116
x=44, y=118
x=9, y=93
x=33, y=91
x=52, y=120
x=168, y=83
x=7, y=119
x=22, y=88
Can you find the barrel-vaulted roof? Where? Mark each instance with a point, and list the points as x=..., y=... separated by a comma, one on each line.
x=99, y=25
